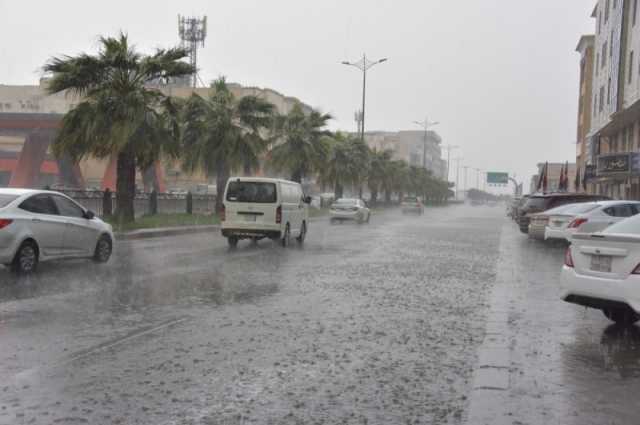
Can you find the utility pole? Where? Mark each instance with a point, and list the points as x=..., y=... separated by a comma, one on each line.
x=363, y=65
x=426, y=124
x=449, y=148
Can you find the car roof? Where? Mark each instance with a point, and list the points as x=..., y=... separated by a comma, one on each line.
x=567, y=194
x=17, y=191
x=616, y=202
x=261, y=179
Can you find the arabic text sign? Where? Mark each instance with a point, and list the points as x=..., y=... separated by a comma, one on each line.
x=613, y=164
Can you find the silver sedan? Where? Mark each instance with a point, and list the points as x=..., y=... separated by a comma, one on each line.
x=349, y=209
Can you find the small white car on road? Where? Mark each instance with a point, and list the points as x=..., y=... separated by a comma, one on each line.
x=349, y=209
x=601, y=216
x=412, y=205
x=602, y=271
x=40, y=225
x=256, y=208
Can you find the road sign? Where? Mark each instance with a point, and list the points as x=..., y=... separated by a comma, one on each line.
x=496, y=177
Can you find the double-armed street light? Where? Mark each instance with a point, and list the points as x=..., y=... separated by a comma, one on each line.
x=363, y=65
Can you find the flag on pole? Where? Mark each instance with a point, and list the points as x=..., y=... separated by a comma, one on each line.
x=561, y=181
x=566, y=176
x=539, y=185
x=576, y=182
x=544, y=177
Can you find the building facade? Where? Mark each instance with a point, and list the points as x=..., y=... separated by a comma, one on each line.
x=29, y=119
x=586, y=49
x=414, y=147
x=610, y=157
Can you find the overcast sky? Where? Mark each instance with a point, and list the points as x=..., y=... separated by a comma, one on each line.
x=501, y=76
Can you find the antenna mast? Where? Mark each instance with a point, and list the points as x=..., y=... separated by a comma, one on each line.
x=192, y=31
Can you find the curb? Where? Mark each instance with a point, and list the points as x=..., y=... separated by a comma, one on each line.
x=165, y=231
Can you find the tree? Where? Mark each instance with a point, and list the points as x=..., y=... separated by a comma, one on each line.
x=301, y=142
x=222, y=133
x=378, y=172
x=119, y=113
x=346, y=163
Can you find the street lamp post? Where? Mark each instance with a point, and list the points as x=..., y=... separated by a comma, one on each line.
x=426, y=124
x=477, y=178
x=363, y=65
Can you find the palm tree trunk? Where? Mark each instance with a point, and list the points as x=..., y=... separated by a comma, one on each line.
x=125, y=186
x=338, y=191
x=374, y=196
x=221, y=182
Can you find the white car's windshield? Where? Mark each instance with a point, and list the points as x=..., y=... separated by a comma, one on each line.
x=7, y=199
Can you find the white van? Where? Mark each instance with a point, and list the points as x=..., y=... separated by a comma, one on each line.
x=256, y=208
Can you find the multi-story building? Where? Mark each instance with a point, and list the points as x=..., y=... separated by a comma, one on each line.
x=611, y=154
x=30, y=117
x=415, y=147
x=586, y=48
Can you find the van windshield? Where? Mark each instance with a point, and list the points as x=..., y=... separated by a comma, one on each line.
x=258, y=192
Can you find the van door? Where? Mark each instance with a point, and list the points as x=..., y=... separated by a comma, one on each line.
x=250, y=204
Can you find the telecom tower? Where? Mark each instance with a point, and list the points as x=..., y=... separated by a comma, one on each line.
x=192, y=33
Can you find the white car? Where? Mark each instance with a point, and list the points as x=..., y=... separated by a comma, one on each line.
x=256, y=208
x=602, y=270
x=603, y=215
x=40, y=225
x=558, y=218
x=412, y=204
x=349, y=209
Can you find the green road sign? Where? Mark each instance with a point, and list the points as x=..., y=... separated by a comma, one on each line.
x=497, y=178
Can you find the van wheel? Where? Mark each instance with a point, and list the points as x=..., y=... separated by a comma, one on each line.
x=303, y=233
x=621, y=316
x=26, y=259
x=232, y=241
x=286, y=238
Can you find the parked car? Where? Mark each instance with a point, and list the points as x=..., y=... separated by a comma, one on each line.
x=257, y=208
x=349, y=209
x=539, y=203
x=40, y=225
x=561, y=217
x=517, y=206
x=602, y=271
x=539, y=222
x=601, y=216
x=412, y=205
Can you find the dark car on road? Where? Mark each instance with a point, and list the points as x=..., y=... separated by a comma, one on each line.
x=544, y=202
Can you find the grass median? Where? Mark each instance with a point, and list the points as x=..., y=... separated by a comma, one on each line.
x=163, y=220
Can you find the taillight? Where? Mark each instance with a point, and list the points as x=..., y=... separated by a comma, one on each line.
x=5, y=222
x=568, y=259
x=279, y=214
x=577, y=223
x=223, y=213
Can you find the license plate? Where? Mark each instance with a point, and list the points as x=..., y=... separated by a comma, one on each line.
x=601, y=263
x=249, y=217
x=557, y=223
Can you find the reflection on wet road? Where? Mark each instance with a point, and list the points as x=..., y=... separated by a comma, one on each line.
x=374, y=323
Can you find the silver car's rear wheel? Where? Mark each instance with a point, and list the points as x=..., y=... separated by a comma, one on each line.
x=26, y=259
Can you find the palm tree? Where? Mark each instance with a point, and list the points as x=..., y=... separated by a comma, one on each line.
x=222, y=133
x=301, y=146
x=119, y=113
x=378, y=172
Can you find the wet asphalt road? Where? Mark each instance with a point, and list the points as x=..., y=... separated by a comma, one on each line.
x=377, y=324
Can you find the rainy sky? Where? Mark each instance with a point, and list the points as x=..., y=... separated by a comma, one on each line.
x=501, y=76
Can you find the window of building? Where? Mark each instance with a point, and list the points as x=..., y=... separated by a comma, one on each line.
x=611, y=45
x=601, y=104
x=604, y=55
x=606, y=11
x=609, y=91
x=597, y=62
x=615, y=3
x=630, y=67
x=595, y=103
x=635, y=11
